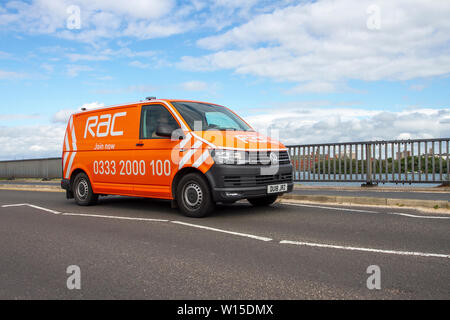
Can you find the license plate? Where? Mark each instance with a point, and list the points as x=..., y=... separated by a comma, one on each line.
x=276, y=188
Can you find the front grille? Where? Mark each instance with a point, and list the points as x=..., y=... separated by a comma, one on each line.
x=263, y=157
x=251, y=181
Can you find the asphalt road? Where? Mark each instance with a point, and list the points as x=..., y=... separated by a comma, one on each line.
x=281, y=252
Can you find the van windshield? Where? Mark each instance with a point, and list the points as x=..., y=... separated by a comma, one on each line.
x=203, y=116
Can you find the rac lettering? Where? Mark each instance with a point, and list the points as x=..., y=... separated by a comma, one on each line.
x=105, y=127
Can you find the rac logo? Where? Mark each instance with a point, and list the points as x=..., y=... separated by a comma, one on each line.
x=105, y=127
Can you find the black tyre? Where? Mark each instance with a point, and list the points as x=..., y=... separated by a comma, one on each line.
x=194, y=196
x=264, y=201
x=82, y=191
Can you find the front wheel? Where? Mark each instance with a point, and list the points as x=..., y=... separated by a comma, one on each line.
x=263, y=201
x=194, y=197
x=82, y=191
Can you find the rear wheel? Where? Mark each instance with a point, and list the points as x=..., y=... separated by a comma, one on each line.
x=194, y=197
x=263, y=201
x=82, y=191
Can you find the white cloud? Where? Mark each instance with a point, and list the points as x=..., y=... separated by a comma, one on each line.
x=417, y=87
x=328, y=41
x=36, y=141
x=11, y=75
x=194, y=86
x=327, y=125
x=99, y=18
x=314, y=87
x=48, y=67
x=141, y=88
x=62, y=116
x=74, y=70
x=86, y=57
x=143, y=19
x=138, y=64
x=9, y=117
x=5, y=55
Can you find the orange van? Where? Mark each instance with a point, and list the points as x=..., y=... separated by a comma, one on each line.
x=193, y=153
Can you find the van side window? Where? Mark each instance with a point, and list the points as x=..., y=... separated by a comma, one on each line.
x=151, y=117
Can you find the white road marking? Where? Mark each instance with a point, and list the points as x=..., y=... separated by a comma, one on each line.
x=415, y=216
x=367, y=211
x=298, y=243
x=223, y=231
x=404, y=253
x=113, y=217
x=32, y=206
x=329, y=208
x=139, y=219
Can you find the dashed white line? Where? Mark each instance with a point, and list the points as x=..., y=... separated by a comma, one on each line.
x=298, y=243
x=223, y=231
x=416, y=216
x=330, y=246
x=113, y=217
x=367, y=211
x=139, y=219
x=329, y=208
x=32, y=206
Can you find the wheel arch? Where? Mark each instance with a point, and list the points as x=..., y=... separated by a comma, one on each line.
x=176, y=179
x=74, y=173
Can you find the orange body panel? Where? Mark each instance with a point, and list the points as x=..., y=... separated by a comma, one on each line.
x=105, y=143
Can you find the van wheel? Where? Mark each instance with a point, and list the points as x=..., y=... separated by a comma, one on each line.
x=194, y=197
x=82, y=191
x=264, y=201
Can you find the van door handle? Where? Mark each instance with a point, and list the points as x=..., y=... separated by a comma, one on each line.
x=139, y=144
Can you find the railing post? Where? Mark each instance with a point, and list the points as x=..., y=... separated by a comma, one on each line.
x=369, y=167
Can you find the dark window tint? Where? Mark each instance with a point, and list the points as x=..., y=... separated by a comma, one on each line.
x=151, y=117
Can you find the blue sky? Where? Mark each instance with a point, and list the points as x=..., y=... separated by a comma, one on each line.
x=316, y=71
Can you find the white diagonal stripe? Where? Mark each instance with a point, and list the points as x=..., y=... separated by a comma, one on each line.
x=66, y=141
x=201, y=159
x=74, y=138
x=65, y=159
x=189, y=154
x=69, y=167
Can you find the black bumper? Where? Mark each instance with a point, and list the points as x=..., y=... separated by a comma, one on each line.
x=65, y=184
x=234, y=182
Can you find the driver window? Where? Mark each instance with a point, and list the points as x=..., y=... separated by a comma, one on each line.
x=151, y=117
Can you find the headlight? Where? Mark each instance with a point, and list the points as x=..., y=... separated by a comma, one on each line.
x=228, y=156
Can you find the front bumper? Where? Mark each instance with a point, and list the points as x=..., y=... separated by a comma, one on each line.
x=234, y=182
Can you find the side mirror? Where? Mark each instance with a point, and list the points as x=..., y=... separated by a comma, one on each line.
x=165, y=130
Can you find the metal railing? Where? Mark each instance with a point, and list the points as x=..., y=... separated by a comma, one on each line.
x=373, y=162
x=31, y=168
